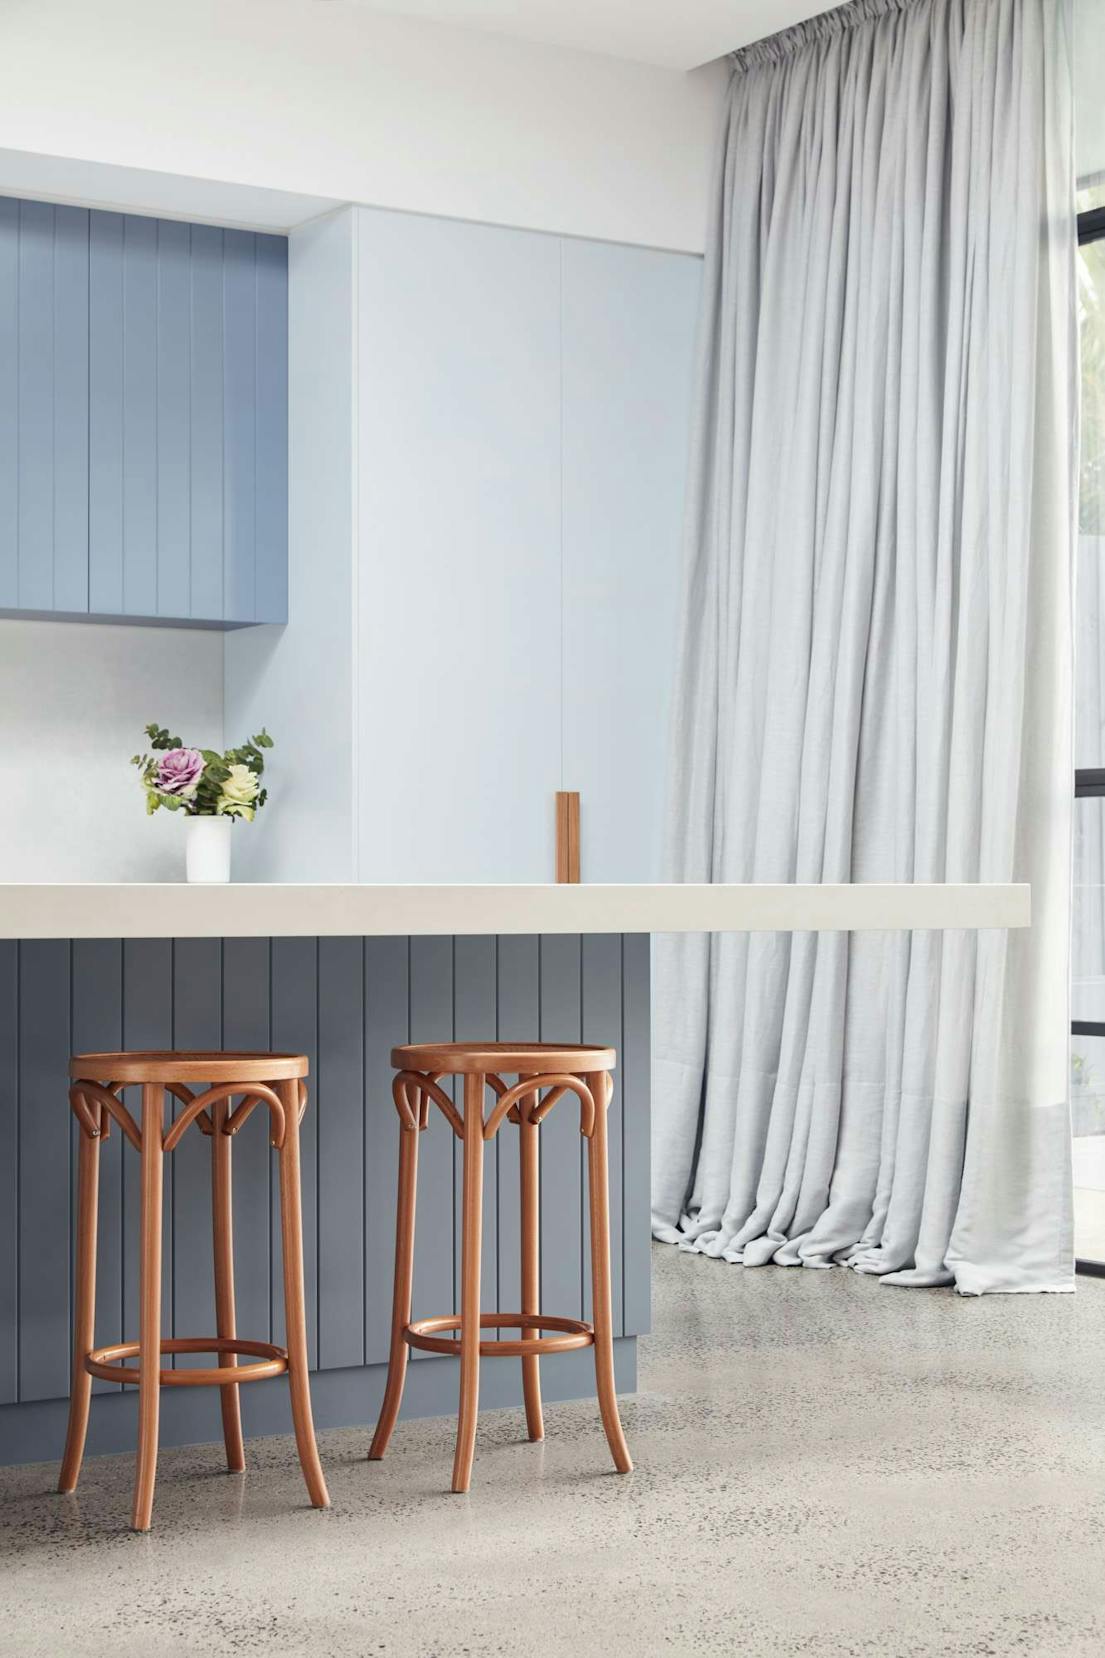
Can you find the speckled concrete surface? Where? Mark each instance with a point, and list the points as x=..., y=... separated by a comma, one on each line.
x=825, y=1467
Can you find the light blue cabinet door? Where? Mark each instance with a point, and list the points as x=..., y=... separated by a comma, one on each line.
x=628, y=338
x=458, y=559
x=43, y=406
x=143, y=418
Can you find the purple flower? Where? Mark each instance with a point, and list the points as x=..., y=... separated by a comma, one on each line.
x=179, y=771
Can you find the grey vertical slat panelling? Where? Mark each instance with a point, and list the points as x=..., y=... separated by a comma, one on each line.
x=98, y=1028
x=36, y=405
x=247, y=1025
x=9, y=402
x=519, y=1020
x=70, y=459
x=271, y=403
x=147, y=1023
x=386, y=990
x=105, y=414
x=9, y=1171
x=153, y=993
x=602, y=1025
x=139, y=416
x=295, y=1030
x=474, y=997
x=197, y=1025
x=431, y=1020
x=636, y=1095
x=173, y=419
x=240, y=422
x=206, y=429
x=341, y=1264
x=44, y=1196
x=561, y=1141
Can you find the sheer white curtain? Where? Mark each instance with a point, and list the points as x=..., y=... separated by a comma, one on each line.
x=875, y=678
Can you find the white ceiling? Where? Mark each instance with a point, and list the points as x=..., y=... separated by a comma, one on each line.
x=677, y=34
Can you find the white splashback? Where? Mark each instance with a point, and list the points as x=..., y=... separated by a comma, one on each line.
x=73, y=701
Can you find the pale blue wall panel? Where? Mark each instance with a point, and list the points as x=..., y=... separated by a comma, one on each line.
x=459, y=496
x=105, y=414
x=272, y=674
x=70, y=477
x=240, y=424
x=139, y=416
x=206, y=423
x=629, y=326
x=174, y=460
x=36, y=406
x=271, y=400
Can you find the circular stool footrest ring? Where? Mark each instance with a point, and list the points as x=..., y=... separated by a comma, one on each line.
x=101, y=1361
x=572, y=1333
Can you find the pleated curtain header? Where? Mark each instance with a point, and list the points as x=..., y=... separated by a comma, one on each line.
x=826, y=26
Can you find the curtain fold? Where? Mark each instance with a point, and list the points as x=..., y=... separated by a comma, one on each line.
x=875, y=664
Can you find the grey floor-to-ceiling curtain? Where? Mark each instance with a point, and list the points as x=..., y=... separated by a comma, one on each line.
x=875, y=678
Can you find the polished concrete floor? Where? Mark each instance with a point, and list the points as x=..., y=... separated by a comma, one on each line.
x=824, y=1466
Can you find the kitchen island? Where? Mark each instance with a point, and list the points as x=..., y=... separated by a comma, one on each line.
x=342, y=973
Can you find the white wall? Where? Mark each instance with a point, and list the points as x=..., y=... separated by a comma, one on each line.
x=335, y=100
x=74, y=698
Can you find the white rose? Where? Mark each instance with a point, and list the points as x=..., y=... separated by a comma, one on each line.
x=239, y=791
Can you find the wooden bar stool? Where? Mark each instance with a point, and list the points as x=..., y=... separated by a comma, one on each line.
x=272, y=1080
x=545, y=1072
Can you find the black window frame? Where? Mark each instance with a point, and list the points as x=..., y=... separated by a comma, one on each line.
x=1089, y=781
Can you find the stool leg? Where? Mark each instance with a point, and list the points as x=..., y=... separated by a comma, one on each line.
x=225, y=1320
x=295, y=1312
x=471, y=1240
x=597, y=1191
x=531, y=1267
x=149, y=1322
x=80, y=1389
x=401, y=1296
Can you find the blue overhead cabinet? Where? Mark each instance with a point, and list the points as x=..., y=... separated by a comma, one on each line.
x=143, y=418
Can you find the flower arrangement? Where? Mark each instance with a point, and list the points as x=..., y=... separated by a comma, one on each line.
x=201, y=782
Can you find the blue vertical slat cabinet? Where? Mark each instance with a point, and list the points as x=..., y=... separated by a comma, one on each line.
x=143, y=418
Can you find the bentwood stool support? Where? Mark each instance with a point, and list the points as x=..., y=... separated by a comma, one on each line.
x=545, y=1073
x=273, y=1080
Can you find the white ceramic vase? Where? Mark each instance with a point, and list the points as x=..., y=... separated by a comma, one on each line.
x=207, y=850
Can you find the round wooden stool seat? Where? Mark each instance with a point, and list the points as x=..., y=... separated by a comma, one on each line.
x=164, y=1067
x=491, y=1058
x=546, y=1072
x=97, y=1098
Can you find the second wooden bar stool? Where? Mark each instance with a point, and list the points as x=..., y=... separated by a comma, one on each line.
x=545, y=1073
x=272, y=1080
